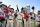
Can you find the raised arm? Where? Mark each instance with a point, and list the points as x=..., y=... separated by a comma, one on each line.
x=7, y=9
x=17, y=8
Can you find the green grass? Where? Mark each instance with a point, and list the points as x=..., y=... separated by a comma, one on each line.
x=34, y=23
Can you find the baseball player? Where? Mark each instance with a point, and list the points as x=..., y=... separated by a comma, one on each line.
x=19, y=19
x=38, y=19
x=10, y=20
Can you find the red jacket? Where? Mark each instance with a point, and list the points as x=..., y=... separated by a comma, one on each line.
x=25, y=16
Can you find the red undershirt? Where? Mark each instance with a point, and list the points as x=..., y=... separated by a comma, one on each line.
x=25, y=16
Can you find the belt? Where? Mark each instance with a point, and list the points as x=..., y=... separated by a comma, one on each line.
x=38, y=21
x=10, y=19
x=19, y=19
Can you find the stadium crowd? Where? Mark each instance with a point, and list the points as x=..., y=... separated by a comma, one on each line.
x=11, y=18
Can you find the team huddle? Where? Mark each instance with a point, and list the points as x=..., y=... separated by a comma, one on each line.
x=8, y=16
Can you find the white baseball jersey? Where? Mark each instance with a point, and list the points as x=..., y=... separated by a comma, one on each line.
x=37, y=19
x=11, y=16
x=20, y=16
x=38, y=16
x=1, y=13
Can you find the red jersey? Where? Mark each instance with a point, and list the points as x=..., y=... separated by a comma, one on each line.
x=25, y=16
x=7, y=10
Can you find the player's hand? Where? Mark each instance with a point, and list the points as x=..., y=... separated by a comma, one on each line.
x=16, y=5
x=9, y=5
x=6, y=18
